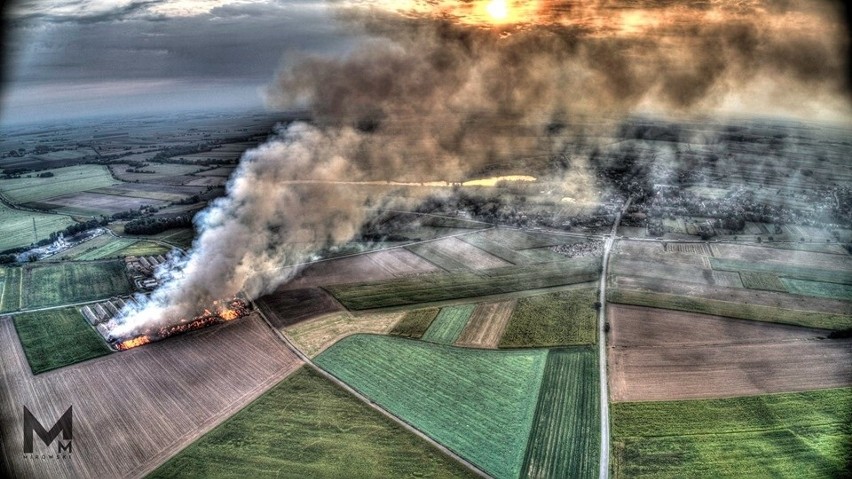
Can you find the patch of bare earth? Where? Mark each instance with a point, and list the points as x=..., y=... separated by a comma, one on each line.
x=486, y=324
x=657, y=355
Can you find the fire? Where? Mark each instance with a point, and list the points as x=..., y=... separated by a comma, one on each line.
x=223, y=310
x=132, y=343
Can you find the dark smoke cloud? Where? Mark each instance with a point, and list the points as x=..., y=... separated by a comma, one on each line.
x=435, y=96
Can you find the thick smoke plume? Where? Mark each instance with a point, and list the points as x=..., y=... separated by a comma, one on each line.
x=435, y=91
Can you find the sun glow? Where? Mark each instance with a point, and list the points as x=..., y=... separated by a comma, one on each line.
x=498, y=10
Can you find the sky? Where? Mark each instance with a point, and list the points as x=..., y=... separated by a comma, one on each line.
x=71, y=58
x=103, y=57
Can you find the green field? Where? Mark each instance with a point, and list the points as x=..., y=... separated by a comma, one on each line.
x=56, y=338
x=754, y=312
x=10, y=289
x=555, y=319
x=62, y=283
x=795, y=435
x=449, y=324
x=181, y=237
x=762, y=281
x=427, y=288
x=819, y=289
x=796, y=272
x=478, y=403
x=308, y=427
x=16, y=227
x=107, y=246
x=72, y=179
x=415, y=323
x=565, y=437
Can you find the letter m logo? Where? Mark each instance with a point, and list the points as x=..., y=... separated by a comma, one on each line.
x=31, y=425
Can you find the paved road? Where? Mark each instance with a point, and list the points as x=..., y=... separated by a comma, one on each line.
x=604, y=459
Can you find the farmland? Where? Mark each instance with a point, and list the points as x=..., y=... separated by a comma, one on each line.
x=454, y=254
x=107, y=246
x=442, y=287
x=819, y=289
x=555, y=319
x=755, y=312
x=735, y=295
x=309, y=427
x=785, y=270
x=780, y=435
x=56, y=338
x=16, y=227
x=478, y=403
x=448, y=325
x=565, y=437
x=415, y=323
x=62, y=283
x=381, y=265
x=135, y=409
x=287, y=307
x=663, y=355
x=764, y=281
x=486, y=324
x=756, y=255
x=10, y=294
x=315, y=335
x=65, y=181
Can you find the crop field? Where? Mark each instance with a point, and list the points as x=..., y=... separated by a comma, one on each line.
x=454, y=254
x=181, y=237
x=665, y=355
x=785, y=270
x=448, y=325
x=801, y=435
x=286, y=307
x=442, y=287
x=543, y=255
x=315, y=335
x=486, y=324
x=565, y=437
x=478, y=403
x=755, y=312
x=151, y=192
x=97, y=246
x=415, y=323
x=144, y=248
x=63, y=283
x=309, y=427
x=675, y=273
x=656, y=253
x=56, y=338
x=93, y=204
x=736, y=295
x=638, y=326
x=519, y=240
x=162, y=172
x=135, y=409
x=16, y=227
x=496, y=249
x=224, y=171
x=819, y=289
x=555, y=319
x=764, y=281
x=757, y=254
x=65, y=181
x=10, y=290
x=381, y=265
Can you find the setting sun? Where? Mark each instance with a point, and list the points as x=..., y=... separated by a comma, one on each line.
x=498, y=10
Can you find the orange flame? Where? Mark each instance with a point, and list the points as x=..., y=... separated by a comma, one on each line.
x=229, y=314
x=132, y=343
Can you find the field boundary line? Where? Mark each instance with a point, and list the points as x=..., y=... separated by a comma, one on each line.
x=405, y=425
